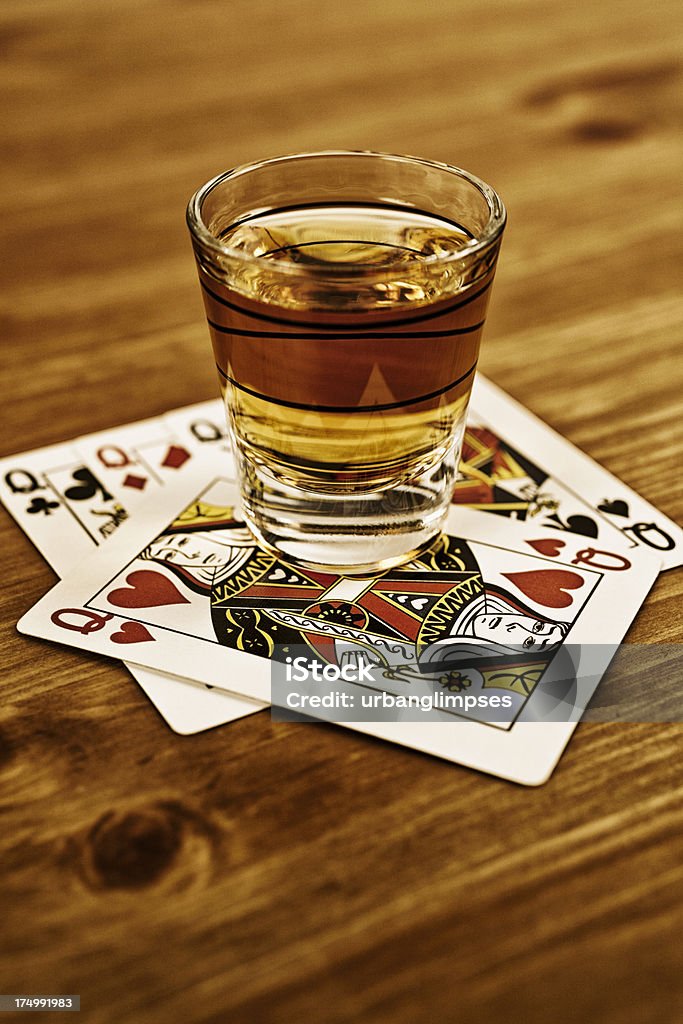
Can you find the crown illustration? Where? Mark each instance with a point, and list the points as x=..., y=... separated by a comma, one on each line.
x=202, y=515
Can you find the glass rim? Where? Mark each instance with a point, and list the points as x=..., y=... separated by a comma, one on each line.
x=486, y=237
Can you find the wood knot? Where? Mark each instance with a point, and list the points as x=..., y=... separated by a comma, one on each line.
x=604, y=130
x=129, y=850
x=164, y=842
x=6, y=750
x=587, y=106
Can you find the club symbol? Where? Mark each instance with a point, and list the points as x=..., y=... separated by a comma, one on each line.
x=41, y=505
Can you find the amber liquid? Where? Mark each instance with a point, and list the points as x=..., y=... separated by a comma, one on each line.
x=355, y=392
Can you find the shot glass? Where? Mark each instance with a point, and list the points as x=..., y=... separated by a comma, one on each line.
x=346, y=294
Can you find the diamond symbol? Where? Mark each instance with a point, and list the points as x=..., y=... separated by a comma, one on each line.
x=138, y=482
x=176, y=457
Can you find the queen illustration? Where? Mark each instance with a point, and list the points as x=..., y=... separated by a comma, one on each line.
x=492, y=625
x=435, y=614
x=205, y=545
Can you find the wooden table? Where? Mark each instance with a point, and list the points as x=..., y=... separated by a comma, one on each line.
x=274, y=873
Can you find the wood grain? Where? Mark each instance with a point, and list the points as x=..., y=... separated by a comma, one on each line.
x=271, y=873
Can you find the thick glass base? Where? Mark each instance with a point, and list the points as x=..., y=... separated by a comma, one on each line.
x=347, y=533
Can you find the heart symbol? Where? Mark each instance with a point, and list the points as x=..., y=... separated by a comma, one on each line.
x=547, y=546
x=146, y=589
x=278, y=574
x=131, y=633
x=615, y=507
x=547, y=586
x=419, y=603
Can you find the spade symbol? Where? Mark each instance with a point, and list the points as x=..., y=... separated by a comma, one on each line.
x=584, y=525
x=615, y=507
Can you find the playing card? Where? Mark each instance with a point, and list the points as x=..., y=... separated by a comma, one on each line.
x=202, y=428
x=66, y=509
x=185, y=589
x=64, y=506
x=136, y=459
x=190, y=707
x=513, y=464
